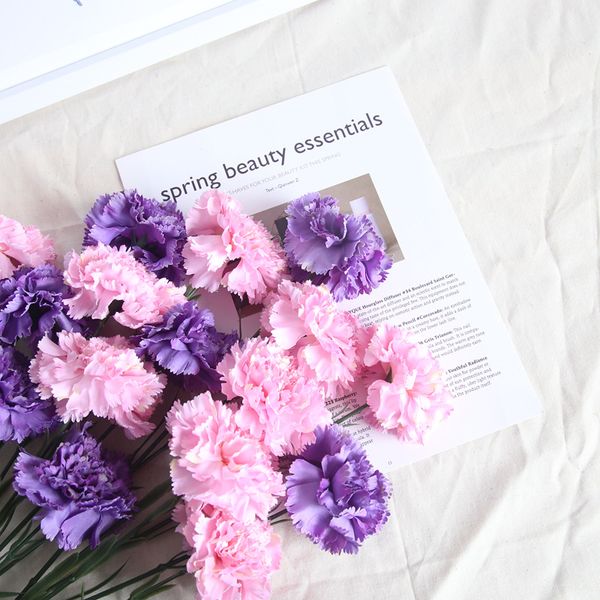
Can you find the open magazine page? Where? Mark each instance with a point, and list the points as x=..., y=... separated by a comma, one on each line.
x=356, y=140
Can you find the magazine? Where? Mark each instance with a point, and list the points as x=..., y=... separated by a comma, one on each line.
x=355, y=140
x=74, y=45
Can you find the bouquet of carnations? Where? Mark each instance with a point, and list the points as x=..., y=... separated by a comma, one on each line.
x=117, y=345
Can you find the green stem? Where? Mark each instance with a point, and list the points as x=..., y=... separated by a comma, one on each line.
x=22, y=541
x=8, y=510
x=150, y=452
x=278, y=514
x=173, y=563
x=356, y=411
x=191, y=293
x=5, y=486
x=14, y=557
x=101, y=324
x=281, y=521
x=150, y=457
x=10, y=462
x=18, y=528
x=39, y=574
x=135, y=460
x=106, y=433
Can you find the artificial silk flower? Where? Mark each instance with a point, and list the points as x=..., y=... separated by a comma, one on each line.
x=187, y=345
x=409, y=395
x=305, y=319
x=82, y=490
x=32, y=303
x=100, y=376
x=22, y=245
x=230, y=559
x=279, y=406
x=326, y=246
x=22, y=412
x=230, y=249
x=102, y=275
x=217, y=462
x=155, y=231
x=334, y=495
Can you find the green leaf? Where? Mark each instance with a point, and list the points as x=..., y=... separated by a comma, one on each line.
x=154, y=494
x=158, y=588
x=100, y=585
x=151, y=592
x=145, y=585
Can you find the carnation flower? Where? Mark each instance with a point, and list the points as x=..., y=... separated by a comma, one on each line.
x=364, y=271
x=22, y=412
x=102, y=275
x=22, y=245
x=81, y=491
x=32, y=304
x=304, y=318
x=410, y=396
x=155, y=231
x=342, y=251
x=102, y=376
x=318, y=236
x=228, y=248
x=280, y=406
x=231, y=559
x=217, y=462
x=186, y=343
x=334, y=495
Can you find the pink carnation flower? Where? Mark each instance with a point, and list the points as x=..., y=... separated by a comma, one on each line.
x=410, y=397
x=102, y=376
x=217, y=462
x=280, y=406
x=231, y=559
x=22, y=246
x=228, y=248
x=305, y=318
x=101, y=275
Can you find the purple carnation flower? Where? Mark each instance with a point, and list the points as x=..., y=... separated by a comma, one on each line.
x=342, y=251
x=334, y=495
x=365, y=269
x=187, y=344
x=22, y=412
x=82, y=490
x=154, y=230
x=31, y=304
x=317, y=235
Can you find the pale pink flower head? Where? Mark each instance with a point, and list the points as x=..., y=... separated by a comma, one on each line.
x=22, y=245
x=228, y=248
x=185, y=515
x=230, y=559
x=280, y=406
x=217, y=462
x=411, y=396
x=100, y=376
x=306, y=320
x=260, y=262
x=211, y=212
x=101, y=275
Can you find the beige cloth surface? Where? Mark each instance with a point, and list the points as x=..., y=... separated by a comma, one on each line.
x=506, y=96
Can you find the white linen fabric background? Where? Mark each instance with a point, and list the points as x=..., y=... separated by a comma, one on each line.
x=506, y=94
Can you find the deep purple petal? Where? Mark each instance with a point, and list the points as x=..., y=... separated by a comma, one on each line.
x=155, y=231
x=334, y=495
x=186, y=343
x=82, y=489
